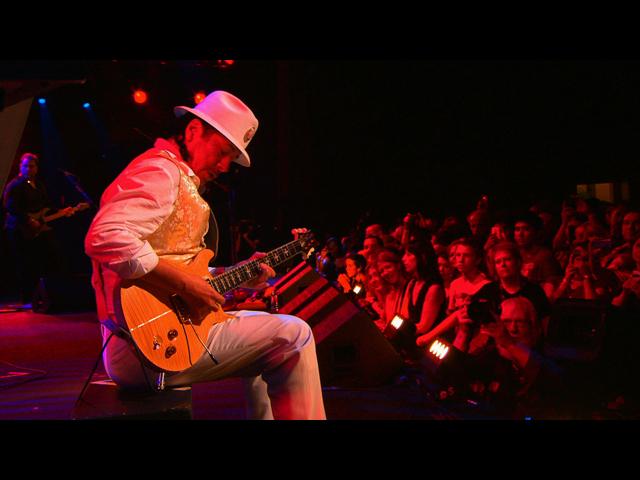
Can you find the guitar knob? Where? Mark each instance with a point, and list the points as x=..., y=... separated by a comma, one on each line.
x=173, y=333
x=169, y=351
x=156, y=343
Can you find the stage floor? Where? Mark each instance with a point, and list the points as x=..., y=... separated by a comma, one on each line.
x=45, y=360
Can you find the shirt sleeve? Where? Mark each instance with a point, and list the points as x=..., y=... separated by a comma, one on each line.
x=132, y=208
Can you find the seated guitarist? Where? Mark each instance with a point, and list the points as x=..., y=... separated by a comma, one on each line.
x=34, y=251
x=151, y=218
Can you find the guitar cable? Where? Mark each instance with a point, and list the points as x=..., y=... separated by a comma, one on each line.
x=201, y=343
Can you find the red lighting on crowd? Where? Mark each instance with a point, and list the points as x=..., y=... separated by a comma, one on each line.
x=198, y=97
x=140, y=96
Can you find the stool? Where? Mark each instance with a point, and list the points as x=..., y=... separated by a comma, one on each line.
x=104, y=400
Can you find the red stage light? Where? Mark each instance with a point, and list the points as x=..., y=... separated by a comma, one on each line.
x=225, y=63
x=198, y=97
x=140, y=96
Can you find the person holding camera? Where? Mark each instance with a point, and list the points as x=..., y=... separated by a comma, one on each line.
x=580, y=280
x=510, y=283
x=519, y=379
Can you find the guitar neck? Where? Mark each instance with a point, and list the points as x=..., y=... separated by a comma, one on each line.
x=54, y=216
x=235, y=276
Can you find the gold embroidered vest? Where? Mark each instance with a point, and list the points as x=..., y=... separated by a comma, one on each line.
x=181, y=235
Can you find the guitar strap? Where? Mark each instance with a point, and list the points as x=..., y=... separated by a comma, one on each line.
x=212, y=236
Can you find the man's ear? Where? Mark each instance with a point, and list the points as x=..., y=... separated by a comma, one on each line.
x=193, y=129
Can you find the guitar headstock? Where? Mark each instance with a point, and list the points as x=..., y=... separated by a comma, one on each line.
x=307, y=240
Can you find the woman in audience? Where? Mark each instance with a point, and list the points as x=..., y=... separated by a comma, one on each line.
x=423, y=296
x=393, y=278
x=468, y=261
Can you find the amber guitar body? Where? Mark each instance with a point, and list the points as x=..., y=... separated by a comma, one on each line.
x=161, y=325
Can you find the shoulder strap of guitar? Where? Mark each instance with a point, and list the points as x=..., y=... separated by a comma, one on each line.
x=212, y=236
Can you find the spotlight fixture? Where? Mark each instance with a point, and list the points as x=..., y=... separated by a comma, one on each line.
x=400, y=332
x=42, y=101
x=447, y=364
x=140, y=96
x=198, y=97
x=439, y=349
x=225, y=63
x=86, y=105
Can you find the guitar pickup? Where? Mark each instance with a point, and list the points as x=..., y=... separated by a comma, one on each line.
x=181, y=308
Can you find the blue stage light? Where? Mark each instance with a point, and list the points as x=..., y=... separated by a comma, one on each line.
x=42, y=101
x=86, y=105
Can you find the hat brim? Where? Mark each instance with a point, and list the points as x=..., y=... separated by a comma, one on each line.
x=242, y=159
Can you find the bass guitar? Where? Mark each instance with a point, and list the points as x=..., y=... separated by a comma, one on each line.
x=38, y=221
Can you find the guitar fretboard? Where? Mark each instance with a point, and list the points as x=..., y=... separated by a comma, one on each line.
x=235, y=276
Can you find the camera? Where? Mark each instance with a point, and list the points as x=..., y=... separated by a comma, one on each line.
x=482, y=311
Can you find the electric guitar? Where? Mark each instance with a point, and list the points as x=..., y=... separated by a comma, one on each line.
x=38, y=221
x=169, y=335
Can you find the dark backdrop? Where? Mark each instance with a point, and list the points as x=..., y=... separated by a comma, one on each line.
x=338, y=138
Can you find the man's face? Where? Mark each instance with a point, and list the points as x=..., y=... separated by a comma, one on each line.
x=466, y=260
x=506, y=265
x=477, y=224
x=28, y=168
x=373, y=230
x=630, y=226
x=351, y=267
x=371, y=246
x=523, y=234
x=211, y=153
x=517, y=323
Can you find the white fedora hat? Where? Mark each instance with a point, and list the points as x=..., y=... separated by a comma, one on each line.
x=228, y=115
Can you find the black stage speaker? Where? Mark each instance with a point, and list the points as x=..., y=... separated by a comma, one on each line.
x=351, y=351
x=64, y=293
x=576, y=329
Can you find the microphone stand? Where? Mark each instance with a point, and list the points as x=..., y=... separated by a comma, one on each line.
x=73, y=180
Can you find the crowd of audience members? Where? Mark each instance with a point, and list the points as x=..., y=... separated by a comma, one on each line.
x=489, y=286
x=495, y=287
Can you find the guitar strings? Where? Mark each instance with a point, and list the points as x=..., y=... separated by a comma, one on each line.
x=247, y=267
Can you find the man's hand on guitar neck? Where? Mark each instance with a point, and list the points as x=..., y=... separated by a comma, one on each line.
x=259, y=282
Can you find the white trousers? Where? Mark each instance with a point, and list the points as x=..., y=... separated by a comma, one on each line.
x=275, y=355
